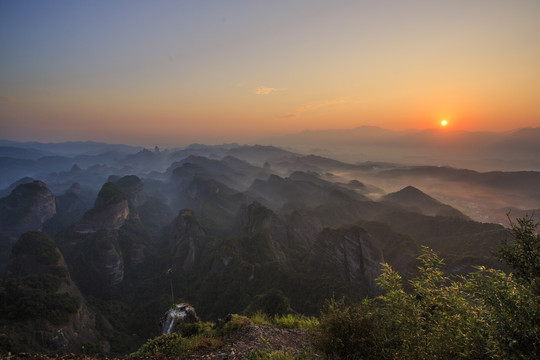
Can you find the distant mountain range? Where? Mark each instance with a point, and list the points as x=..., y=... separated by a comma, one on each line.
x=511, y=150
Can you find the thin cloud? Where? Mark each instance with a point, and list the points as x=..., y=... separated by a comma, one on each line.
x=312, y=107
x=285, y=116
x=264, y=90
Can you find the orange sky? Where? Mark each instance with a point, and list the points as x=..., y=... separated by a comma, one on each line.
x=174, y=73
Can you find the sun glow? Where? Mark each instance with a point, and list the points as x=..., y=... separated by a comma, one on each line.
x=444, y=122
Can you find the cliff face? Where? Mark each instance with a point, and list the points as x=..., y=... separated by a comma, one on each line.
x=256, y=218
x=95, y=259
x=110, y=217
x=302, y=232
x=133, y=187
x=185, y=239
x=70, y=207
x=110, y=211
x=27, y=207
x=352, y=252
x=53, y=307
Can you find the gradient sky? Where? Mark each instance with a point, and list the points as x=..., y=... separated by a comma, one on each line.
x=178, y=72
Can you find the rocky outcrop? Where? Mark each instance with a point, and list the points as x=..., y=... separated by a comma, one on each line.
x=185, y=238
x=53, y=316
x=256, y=218
x=95, y=259
x=27, y=208
x=110, y=217
x=25, y=180
x=352, y=252
x=133, y=187
x=302, y=231
x=177, y=315
x=110, y=211
x=70, y=207
x=106, y=259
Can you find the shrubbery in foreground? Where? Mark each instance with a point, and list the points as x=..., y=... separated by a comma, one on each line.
x=487, y=314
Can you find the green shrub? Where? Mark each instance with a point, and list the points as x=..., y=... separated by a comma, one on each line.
x=345, y=332
x=236, y=322
x=272, y=303
x=523, y=255
x=260, y=318
x=290, y=321
x=37, y=245
x=111, y=193
x=259, y=354
x=192, y=329
x=176, y=345
x=168, y=344
x=487, y=314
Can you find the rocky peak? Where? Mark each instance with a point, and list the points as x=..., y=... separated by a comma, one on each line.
x=74, y=189
x=418, y=201
x=256, y=218
x=42, y=298
x=27, y=207
x=110, y=193
x=185, y=238
x=110, y=211
x=302, y=231
x=133, y=187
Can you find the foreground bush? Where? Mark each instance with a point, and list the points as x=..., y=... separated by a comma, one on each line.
x=346, y=332
x=176, y=345
x=485, y=315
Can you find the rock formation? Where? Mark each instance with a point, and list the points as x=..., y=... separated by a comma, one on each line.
x=51, y=315
x=352, y=252
x=185, y=238
x=27, y=207
x=177, y=315
x=110, y=211
x=133, y=187
x=415, y=200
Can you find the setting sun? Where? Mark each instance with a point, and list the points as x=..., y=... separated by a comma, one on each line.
x=444, y=122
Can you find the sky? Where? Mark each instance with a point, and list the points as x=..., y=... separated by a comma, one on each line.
x=179, y=72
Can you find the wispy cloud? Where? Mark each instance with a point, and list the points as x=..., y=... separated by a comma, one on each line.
x=264, y=90
x=312, y=107
x=285, y=116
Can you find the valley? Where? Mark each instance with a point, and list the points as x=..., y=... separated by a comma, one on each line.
x=222, y=227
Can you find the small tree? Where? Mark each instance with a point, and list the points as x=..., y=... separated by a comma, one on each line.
x=523, y=255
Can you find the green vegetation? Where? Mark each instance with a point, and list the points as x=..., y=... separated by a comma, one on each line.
x=203, y=336
x=37, y=245
x=524, y=254
x=175, y=345
x=259, y=354
x=273, y=302
x=111, y=193
x=290, y=321
x=32, y=292
x=129, y=181
x=484, y=315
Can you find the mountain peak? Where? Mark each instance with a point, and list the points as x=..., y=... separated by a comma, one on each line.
x=414, y=199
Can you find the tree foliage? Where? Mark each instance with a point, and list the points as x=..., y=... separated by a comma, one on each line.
x=484, y=315
x=523, y=254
